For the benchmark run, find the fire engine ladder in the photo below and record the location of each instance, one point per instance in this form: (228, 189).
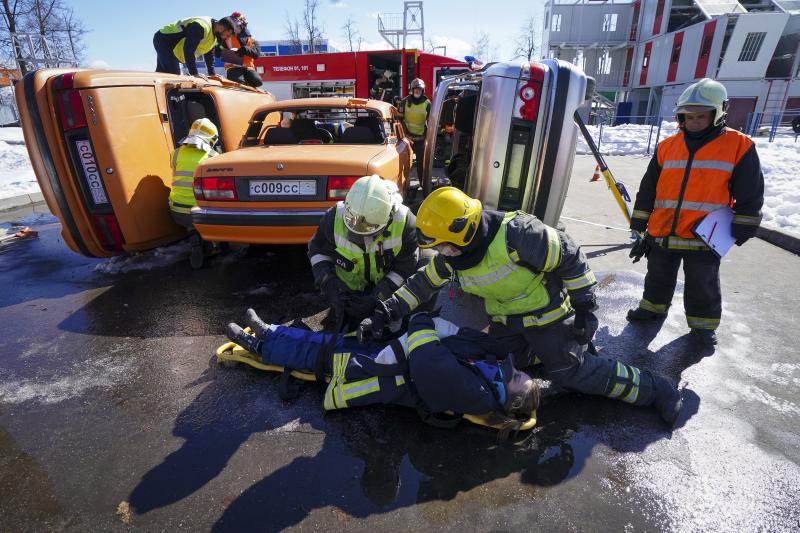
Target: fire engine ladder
(617, 188)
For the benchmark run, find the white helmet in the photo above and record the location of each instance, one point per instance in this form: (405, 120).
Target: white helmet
(368, 205)
(202, 134)
(417, 83)
(706, 94)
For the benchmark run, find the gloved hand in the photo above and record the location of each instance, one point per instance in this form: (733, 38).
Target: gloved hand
(359, 305)
(374, 326)
(641, 248)
(334, 290)
(383, 289)
(584, 326)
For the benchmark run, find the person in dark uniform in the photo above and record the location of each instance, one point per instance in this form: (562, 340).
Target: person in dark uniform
(186, 40)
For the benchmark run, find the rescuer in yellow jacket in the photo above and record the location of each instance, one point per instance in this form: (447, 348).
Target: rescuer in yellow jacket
(704, 167)
(185, 40)
(414, 110)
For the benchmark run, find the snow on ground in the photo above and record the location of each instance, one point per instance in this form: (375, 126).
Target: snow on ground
(16, 174)
(780, 161)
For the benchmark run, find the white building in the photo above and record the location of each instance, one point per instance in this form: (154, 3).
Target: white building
(644, 53)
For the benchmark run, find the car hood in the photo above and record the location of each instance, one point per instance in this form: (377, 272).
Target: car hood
(292, 160)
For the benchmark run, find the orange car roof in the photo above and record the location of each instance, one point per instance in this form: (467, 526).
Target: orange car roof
(384, 108)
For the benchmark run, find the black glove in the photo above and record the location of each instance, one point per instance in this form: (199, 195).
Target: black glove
(217, 52)
(641, 248)
(334, 290)
(359, 305)
(375, 326)
(384, 289)
(585, 326)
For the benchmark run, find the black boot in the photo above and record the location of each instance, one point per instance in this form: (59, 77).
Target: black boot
(259, 327)
(667, 400)
(640, 315)
(705, 337)
(245, 340)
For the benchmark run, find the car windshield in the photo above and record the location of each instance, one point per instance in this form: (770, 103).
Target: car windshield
(326, 126)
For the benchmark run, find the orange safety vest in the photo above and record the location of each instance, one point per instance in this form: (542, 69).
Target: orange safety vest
(248, 62)
(690, 188)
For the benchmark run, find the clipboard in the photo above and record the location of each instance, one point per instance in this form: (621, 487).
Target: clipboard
(715, 230)
(229, 56)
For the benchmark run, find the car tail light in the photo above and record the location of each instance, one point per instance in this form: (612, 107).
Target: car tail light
(109, 232)
(529, 92)
(70, 105)
(339, 185)
(215, 188)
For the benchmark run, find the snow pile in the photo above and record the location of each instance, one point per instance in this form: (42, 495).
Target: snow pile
(780, 161)
(160, 257)
(16, 173)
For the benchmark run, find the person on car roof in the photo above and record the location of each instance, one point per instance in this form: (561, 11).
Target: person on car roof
(194, 148)
(363, 249)
(414, 110)
(704, 167)
(245, 47)
(538, 291)
(187, 39)
(435, 367)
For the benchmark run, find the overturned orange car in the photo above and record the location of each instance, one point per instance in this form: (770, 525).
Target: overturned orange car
(101, 145)
(297, 159)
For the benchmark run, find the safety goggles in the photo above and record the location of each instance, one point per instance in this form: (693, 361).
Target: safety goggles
(358, 224)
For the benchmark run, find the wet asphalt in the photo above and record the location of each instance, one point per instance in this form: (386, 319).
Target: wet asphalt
(114, 414)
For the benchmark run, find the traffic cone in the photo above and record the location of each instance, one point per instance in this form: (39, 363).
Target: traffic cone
(596, 176)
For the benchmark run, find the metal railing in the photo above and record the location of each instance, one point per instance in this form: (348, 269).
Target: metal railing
(774, 125)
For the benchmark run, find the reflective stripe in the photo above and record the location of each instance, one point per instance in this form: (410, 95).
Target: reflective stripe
(675, 243)
(182, 183)
(183, 173)
(725, 166)
(408, 297)
(333, 394)
(420, 337)
(546, 318)
(640, 214)
(175, 158)
(178, 208)
(396, 278)
(514, 256)
(693, 206)
(394, 242)
(433, 276)
(697, 322)
(399, 380)
(553, 250)
(747, 220)
(488, 279)
(647, 305)
(342, 242)
(573, 284)
(320, 258)
(634, 393)
(361, 388)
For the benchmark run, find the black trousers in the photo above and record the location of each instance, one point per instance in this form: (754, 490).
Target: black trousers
(567, 364)
(245, 76)
(702, 296)
(165, 57)
(419, 153)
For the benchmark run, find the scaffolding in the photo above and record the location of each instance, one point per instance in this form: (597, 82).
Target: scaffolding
(395, 28)
(34, 51)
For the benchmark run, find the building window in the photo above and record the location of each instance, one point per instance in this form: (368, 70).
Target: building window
(676, 54)
(556, 22)
(610, 22)
(605, 63)
(752, 45)
(546, 20)
(646, 61)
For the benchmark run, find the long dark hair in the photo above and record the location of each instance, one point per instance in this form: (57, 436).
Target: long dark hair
(520, 408)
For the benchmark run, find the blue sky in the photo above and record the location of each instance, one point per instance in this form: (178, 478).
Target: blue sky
(122, 32)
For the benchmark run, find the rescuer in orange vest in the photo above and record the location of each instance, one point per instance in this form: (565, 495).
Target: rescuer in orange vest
(245, 46)
(702, 168)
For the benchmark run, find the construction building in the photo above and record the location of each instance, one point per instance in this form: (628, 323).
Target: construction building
(644, 53)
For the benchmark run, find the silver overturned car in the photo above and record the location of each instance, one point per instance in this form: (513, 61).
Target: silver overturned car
(509, 133)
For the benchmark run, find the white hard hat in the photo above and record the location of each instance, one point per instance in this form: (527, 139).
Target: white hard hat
(417, 83)
(704, 94)
(368, 205)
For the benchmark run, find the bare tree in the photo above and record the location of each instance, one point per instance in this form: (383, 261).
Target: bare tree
(293, 34)
(529, 35)
(314, 32)
(73, 31)
(352, 35)
(14, 12)
(483, 48)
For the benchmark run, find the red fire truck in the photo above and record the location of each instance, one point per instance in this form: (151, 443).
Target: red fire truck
(352, 73)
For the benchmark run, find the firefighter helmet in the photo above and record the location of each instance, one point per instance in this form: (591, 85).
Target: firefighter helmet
(448, 215)
(704, 94)
(417, 83)
(203, 131)
(368, 205)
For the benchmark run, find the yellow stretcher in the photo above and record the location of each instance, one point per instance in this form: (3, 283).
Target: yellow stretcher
(230, 354)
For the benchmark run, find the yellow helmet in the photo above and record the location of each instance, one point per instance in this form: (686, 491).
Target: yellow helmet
(448, 215)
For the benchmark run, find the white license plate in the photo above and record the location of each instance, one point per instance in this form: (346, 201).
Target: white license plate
(283, 188)
(91, 172)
